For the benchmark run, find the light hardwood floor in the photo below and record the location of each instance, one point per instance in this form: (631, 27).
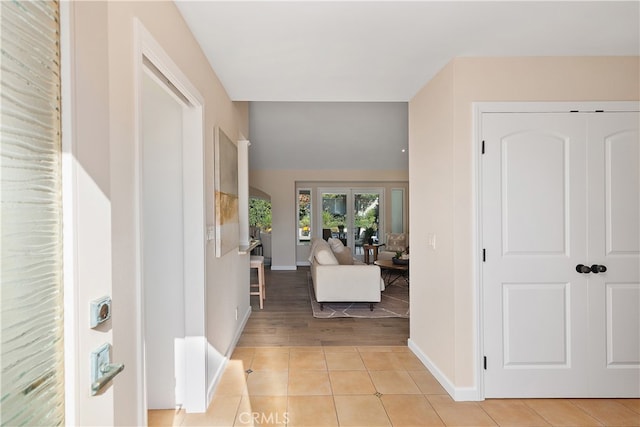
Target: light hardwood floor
(286, 319)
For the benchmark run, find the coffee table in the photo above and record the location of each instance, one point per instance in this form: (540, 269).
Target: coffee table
(388, 267)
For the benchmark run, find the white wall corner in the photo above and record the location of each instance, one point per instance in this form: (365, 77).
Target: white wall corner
(459, 394)
(195, 362)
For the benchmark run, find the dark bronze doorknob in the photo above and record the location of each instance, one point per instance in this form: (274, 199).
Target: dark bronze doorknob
(595, 268)
(581, 268)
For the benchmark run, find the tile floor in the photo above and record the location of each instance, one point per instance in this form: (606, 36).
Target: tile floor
(370, 386)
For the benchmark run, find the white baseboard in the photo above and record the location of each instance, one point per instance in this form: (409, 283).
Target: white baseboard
(459, 394)
(303, 263)
(216, 378)
(284, 267)
(238, 333)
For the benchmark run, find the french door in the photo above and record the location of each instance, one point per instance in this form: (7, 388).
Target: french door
(346, 213)
(561, 239)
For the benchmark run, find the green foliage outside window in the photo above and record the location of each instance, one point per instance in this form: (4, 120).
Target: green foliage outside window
(332, 221)
(304, 208)
(367, 210)
(260, 214)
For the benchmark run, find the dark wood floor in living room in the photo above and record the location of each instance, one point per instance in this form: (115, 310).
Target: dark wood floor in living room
(287, 319)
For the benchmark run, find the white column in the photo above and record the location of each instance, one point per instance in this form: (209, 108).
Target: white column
(243, 191)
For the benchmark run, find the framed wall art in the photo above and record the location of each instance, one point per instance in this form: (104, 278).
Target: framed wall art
(226, 193)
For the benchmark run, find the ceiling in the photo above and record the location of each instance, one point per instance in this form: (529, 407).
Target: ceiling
(329, 80)
(381, 51)
(328, 135)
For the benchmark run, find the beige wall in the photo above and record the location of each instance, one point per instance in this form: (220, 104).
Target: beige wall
(431, 194)
(104, 83)
(281, 186)
(443, 323)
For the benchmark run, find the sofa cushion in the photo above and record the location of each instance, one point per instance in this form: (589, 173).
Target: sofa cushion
(396, 242)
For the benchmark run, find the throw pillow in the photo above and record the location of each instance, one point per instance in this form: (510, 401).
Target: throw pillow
(325, 256)
(340, 251)
(344, 256)
(396, 242)
(312, 248)
(336, 244)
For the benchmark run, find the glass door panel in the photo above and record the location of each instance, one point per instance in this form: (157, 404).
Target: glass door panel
(397, 210)
(31, 317)
(335, 216)
(366, 219)
(352, 215)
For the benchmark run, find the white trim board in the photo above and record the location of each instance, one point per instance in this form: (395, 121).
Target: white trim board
(238, 333)
(459, 394)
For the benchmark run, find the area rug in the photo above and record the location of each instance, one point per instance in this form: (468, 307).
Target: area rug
(394, 302)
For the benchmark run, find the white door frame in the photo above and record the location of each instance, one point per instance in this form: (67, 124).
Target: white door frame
(194, 231)
(509, 107)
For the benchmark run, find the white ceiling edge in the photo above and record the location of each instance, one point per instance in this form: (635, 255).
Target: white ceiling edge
(385, 51)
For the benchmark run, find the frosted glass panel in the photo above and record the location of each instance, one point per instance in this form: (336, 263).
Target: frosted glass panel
(397, 210)
(31, 270)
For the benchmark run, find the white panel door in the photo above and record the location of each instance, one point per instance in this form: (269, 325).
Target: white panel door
(561, 191)
(614, 242)
(534, 224)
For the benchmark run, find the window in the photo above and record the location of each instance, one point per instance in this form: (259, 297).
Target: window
(397, 210)
(259, 216)
(304, 216)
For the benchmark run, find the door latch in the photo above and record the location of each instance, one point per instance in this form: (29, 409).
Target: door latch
(102, 371)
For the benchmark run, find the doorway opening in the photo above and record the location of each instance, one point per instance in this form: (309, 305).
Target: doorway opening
(171, 232)
(163, 244)
(260, 225)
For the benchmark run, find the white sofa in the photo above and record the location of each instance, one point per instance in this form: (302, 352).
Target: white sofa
(338, 278)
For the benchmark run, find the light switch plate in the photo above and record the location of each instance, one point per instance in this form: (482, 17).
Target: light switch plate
(431, 239)
(100, 311)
